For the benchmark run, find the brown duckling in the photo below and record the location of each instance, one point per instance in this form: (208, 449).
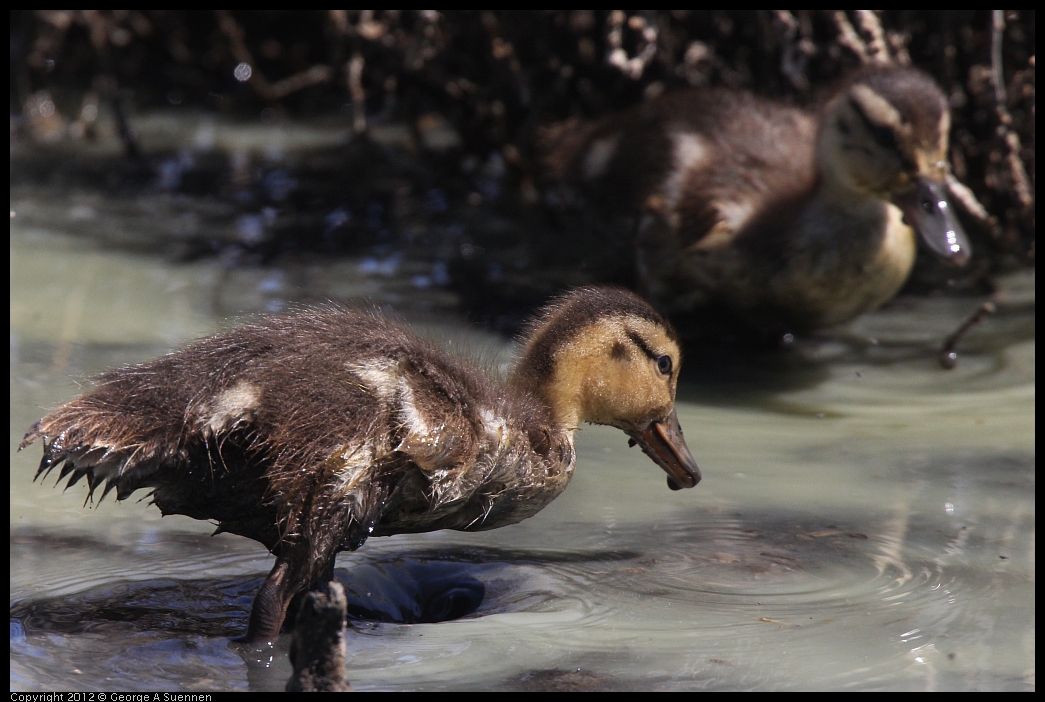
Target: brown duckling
(312, 432)
(776, 217)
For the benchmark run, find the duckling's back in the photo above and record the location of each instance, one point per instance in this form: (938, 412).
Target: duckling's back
(325, 424)
(708, 157)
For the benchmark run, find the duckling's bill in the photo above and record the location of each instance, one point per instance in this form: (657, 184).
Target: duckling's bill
(663, 442)
(927, 210)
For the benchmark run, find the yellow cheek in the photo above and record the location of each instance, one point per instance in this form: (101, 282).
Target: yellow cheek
(632, 394)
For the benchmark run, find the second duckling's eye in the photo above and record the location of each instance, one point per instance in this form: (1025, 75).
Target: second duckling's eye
(884, 137)
(664, 364)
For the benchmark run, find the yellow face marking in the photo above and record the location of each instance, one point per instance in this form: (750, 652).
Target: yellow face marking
(603, 377)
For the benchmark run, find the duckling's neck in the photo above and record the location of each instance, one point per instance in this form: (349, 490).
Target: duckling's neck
(836, 194)
(836, 187)
(559, 401)
(873, 227)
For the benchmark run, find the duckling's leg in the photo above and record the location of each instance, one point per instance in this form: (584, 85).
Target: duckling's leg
(289, 578)
(305, 562)
(270, 605)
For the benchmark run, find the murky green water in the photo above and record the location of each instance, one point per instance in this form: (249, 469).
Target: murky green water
(866, 519)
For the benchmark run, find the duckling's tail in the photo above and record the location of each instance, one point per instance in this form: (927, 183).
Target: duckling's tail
(82, 452)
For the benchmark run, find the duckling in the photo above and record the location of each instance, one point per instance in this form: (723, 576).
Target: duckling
(782, 219)
(312, 432)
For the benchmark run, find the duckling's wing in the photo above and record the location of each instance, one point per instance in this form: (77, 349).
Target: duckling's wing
(735, 156)
(398, 433)
(703, 162)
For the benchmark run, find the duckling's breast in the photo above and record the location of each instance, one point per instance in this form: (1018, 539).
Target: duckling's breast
(522, 479)
(812, 264)
(844, 259)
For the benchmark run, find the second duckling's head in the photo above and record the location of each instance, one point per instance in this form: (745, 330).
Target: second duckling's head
(886, 135)
(605, 356)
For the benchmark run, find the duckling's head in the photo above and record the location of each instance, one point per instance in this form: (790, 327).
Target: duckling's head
(886, 135)
(604, 356)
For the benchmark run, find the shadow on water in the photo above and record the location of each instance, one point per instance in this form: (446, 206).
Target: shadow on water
(411, 592)
(407, 588)
(712, 372)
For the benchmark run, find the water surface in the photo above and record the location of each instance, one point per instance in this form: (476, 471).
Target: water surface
(866, 518)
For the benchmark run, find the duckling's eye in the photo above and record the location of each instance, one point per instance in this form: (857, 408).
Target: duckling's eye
(664, 364)
(884, 137)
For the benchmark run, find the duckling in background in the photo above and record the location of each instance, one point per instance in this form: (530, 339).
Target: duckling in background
(774, 217)
(312, 432)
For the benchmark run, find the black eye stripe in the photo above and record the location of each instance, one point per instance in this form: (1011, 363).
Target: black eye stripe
(664, 362)
(882, 134)
(641, 343)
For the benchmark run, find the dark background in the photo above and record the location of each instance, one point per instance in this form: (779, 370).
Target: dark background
(490, 80)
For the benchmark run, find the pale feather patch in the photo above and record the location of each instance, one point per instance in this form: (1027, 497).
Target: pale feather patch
(379, 376)
(733, 216)
(383, 378)
(599, 155)
(235, 405)
(688, 152)
(493, 424)
(718, 236)
(356, 460)
(412, 419)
